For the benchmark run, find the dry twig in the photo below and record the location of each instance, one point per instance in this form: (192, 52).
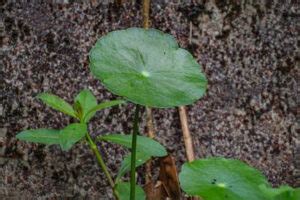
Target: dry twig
(186, 134)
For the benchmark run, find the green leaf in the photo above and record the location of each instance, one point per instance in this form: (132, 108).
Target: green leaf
(65, 137)
(144, 144)
(86, 101)
(148, 68)
(123, 189)
(57, 103)
(222, 179)
(102, 106)
(43, 136)
(141, 158)
(72, 134)
(282, 193)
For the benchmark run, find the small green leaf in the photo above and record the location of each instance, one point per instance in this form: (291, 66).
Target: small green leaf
(123, 190)
(141, 158)
(57, 103)
(282, 193)
(65, 137)
(222, 179)
(144, 144)
(101, 106)
(43, 136)
(147, 67)
(86, 101)
(78, 109)
(72, 134)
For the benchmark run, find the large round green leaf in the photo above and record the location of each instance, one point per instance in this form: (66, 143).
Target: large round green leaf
(147, 67)
(222, 179)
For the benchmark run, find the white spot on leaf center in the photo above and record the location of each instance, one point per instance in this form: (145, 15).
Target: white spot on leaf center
(145, 74)
(223, 185)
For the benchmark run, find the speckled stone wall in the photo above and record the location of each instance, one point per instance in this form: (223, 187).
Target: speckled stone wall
(249, 52)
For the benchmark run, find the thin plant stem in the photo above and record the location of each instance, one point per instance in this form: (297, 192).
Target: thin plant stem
(133, 152)
(101, 163)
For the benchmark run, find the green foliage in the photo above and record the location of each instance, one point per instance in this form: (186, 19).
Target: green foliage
(99, 107)
(72, 134)
(65, 137)
(44, 136)
(281, 193)
(221, 179)
(57, 103)
(85, 107)
(85, 101)
(147, 67)
(145, 145)
(123, 190)
(146, 148)
(141, 158)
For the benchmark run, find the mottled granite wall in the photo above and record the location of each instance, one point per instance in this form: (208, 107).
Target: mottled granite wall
(249, 51)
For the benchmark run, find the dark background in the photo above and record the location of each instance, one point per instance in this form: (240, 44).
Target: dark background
(249, 52)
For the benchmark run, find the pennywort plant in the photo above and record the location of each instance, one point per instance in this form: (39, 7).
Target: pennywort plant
(147, 68)
(229, 179)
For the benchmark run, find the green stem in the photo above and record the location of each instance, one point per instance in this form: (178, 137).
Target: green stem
(101, 163)
(133, 152)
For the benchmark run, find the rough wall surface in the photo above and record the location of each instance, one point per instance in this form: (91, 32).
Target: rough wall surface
(249, 52)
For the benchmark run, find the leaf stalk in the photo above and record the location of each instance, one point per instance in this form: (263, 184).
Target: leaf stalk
(101, 163)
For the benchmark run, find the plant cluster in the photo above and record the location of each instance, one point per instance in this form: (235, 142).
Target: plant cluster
(148, 68)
